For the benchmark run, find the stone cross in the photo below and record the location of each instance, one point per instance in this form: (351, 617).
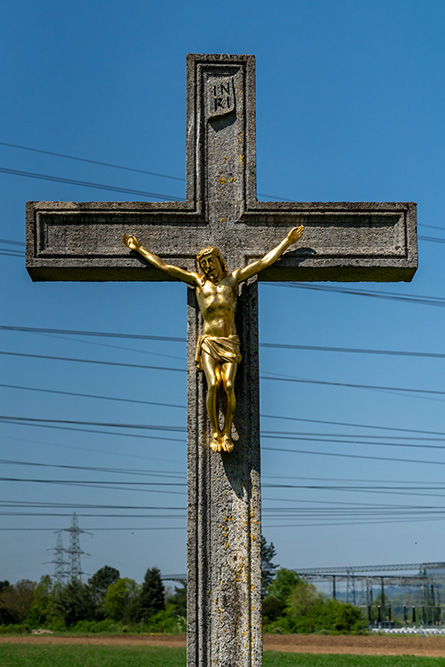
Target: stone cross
(342, 242)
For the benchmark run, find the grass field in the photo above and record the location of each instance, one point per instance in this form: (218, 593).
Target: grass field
(108, 656)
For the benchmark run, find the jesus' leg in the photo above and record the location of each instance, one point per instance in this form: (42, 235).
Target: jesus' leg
(228, 379)
(213, 377)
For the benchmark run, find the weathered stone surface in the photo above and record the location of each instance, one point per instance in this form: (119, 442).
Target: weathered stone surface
(355, 241)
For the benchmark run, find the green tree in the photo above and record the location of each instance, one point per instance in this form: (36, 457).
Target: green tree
(177, 601)
(103, 578)
(5, 617)
(340, 617)
(74, 603)
(273, 609)
(283, 584)
(277, 595)
(3, 585)
(121, 600)
(15, 601)
(294, 605)
(303, 598)
(99, 583)
(268, 553)
(152, 598)
(43, 609)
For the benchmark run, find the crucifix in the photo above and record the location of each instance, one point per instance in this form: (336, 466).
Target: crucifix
(342, 241)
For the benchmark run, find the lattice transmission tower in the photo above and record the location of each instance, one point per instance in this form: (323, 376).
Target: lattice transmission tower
(60, 569)
(74, 551)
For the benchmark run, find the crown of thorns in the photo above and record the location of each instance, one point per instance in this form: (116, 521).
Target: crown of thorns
(211, 250)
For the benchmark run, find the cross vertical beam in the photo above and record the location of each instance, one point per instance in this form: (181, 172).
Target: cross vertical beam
(224, 506)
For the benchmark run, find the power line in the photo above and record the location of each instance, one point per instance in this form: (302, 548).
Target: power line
(150, 427)
(93, 361)
(181, 475)
(266, 416)
(325, 506)
(95, 396)
(350, 385)
(406, 513)
(352, 439)
(91, 506)
(121, 348)
(431, 239)
(353, 456)
(431, 226)
(102, 164)
(42, 423)
(336, 438)
(411, 490)
(95, 482)
(8, 241)
(265, 525)
(391, 296)
(114, 166)
(161, 175)
(183, 407)
(96, 431)
(88, 184)
(183, 339)
(136, 483)
(353, 424)
(133, 529)
(11, 253)
(129, 529)
(134, 486)
(101, 334)
(114, 471)
(353, 350)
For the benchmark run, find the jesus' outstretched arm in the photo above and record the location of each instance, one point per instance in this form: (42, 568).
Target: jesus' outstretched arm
(255, 267)
(174, 271)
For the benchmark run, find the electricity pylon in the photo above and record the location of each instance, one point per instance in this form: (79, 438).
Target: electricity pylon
(74, 551)
(60, 570)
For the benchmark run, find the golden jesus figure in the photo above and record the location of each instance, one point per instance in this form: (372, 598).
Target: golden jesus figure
(218, 349)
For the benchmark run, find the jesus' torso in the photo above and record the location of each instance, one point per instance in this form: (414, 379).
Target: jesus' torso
(217, 303)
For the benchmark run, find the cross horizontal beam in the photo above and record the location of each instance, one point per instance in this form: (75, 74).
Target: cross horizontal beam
(342, 241)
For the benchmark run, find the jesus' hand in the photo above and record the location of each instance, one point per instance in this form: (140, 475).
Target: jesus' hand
(131, 242)
(295, 234)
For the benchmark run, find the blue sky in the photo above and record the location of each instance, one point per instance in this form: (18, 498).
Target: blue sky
(350, 102)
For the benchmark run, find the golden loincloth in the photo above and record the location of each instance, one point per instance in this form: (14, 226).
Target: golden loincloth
(224, 349)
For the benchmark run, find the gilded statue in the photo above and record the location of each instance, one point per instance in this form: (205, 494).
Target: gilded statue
(218, 349)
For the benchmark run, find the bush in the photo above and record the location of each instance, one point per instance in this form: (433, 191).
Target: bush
(282, 626)
(73, 603)
(14, 629)
(341, 617)
(96, 627)
(164, 621)
(273, 608)
(292, 605)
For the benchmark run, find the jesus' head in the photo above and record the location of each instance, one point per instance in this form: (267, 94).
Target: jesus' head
(212, 264)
